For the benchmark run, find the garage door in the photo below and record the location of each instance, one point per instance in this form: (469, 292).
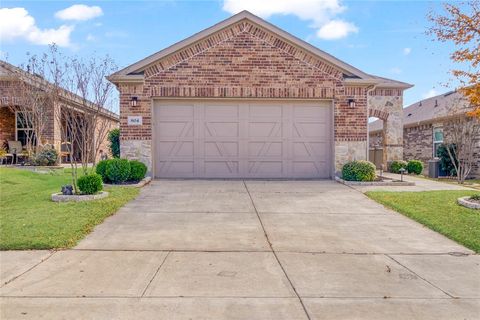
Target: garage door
(213, 139)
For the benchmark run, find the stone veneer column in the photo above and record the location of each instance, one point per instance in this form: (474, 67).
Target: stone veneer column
(390, 110)
(140, 150)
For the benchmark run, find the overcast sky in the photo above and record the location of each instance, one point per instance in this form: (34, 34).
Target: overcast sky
(385, 38)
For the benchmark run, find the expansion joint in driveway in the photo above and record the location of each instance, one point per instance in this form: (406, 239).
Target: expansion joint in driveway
(156, 272)
(274, 253)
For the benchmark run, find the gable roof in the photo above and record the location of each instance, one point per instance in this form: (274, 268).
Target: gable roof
(9, 72)
(429, 110)
(353, 75)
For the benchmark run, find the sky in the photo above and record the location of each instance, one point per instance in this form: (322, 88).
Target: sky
(384, 38)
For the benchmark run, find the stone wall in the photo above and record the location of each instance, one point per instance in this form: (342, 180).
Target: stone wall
(140, 150)
(346, 151)
(387, 104)
(418, 143)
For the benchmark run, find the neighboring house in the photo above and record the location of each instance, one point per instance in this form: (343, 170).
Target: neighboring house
(12, 127)
(245, 99)
(426, 123)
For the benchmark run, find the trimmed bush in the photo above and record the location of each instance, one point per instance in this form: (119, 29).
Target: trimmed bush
(415, 166)
(101, 169)
(396, 165)
(46, 157)
(90, 183)
(114, 138)
(137, 170)
(359, 171)
(118, 170)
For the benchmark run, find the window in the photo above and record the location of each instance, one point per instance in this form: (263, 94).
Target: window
(24, 129)
(437, 140)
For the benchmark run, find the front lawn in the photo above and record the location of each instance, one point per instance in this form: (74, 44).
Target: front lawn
(30, 220)
(437, 210)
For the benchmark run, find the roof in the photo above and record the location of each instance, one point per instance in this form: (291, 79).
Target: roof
(429, 110)
(10, 72)
(353, 75)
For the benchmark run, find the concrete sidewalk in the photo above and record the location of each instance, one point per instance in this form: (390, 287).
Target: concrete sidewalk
(247, 250)
(421, 184)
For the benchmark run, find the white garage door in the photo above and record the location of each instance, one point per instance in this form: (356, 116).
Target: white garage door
(215, 139)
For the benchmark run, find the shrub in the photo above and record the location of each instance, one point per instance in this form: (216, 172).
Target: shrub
(114, 138)
(475, 196)
(415, 166)
(46, 157)
(137, 170)
(118, 170)
(396, 165)
(90, 183)
(101, 169)
(359, 171)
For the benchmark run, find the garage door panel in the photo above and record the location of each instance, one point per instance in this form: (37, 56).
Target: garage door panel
(265, 149)
(309, 129)
(175, 148)
(309, 149)
(175, 111)
(310, 112)
(215, 139)
(304, 169)
(223, 129)
(175, 129)
(221, 111)
(265, 129)
(175, 168)
(226, 149)
(265, 169)
(265, 111)
(229, 169)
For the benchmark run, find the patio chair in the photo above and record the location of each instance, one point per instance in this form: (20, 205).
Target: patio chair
(65, 151)
(14, 149)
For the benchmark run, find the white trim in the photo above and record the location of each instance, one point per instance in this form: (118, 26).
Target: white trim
(16, 127)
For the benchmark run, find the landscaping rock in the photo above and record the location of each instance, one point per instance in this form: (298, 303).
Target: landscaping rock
(375, 183)
(139, 184)
(466, 202)
(59, 197)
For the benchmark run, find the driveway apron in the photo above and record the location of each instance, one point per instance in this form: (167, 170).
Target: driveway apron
(223, 249)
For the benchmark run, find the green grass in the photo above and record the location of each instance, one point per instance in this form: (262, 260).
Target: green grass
(437, 210)
(30, 220)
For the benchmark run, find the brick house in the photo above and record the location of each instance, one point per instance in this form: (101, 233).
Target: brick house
(244, 98)
(12, 127)
(425, 124)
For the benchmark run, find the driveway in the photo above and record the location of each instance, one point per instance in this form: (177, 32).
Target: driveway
(248, 250)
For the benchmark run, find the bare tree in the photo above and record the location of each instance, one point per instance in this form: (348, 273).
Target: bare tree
(89, 87)
(461, 134)
(36, 100)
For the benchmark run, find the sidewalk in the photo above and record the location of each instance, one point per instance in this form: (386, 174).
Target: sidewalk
(421, 184)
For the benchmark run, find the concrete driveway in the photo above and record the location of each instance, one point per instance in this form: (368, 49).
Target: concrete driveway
(248, 250)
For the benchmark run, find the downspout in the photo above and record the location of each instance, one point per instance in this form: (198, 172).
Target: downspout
(371, 88)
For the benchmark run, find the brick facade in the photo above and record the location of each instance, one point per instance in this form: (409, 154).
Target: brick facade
(7, 125)
(248, 61)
